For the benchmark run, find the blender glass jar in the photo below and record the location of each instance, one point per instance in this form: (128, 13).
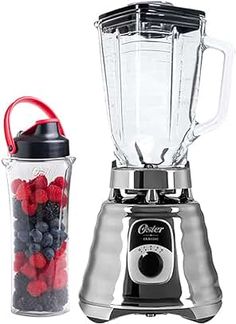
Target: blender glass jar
(38, 173)
(151, 54)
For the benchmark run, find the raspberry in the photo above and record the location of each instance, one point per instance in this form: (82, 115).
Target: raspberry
(40, 182)
(60, 182)
(54, 193)
(61, 263)
(40, 196)
(29, 208)
(64, 200)
(61, 251)
(28, 270)
(15, 184)
(19, 261)
(23, 191)
(37, 287)
(37, 260)
(60, 280)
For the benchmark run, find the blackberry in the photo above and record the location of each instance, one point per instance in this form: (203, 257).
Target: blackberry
(50, 211)
(27, 303)
(50, 303)
(17, 209)
(62, 296)
(20, 282)
(54, 223)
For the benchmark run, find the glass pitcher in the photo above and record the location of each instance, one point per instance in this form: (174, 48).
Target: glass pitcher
(38, 172)
(152, 55)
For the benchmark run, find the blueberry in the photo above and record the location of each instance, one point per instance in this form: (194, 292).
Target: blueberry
(49, 253)
(63, 236)
(36, 235)
(19, 245)
(34, 247)
(62, 227)
(42, 227)
(21, 225)
(47, 240)
(23, 236)
(56, 244)
(55, 232)
(54, 223)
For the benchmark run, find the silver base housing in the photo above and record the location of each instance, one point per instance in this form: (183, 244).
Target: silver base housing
(113, 286)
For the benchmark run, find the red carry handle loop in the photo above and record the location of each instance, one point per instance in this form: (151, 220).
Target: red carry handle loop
(26, 99)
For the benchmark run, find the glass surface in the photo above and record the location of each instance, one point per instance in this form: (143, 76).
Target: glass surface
(151, 74)
(39, 197)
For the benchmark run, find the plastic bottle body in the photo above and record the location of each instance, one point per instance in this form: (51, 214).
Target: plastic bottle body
(39, 197)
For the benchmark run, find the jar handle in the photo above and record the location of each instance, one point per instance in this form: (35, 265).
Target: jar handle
(228, 51)
(26, 99)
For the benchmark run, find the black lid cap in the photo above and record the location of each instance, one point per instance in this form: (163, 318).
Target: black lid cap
(151, 11)
(43, 140)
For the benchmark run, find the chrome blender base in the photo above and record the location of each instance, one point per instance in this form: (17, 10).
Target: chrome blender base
(101, 314)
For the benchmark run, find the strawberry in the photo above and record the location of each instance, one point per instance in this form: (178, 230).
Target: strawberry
(40, 196)
(40, 182)
(54, 193)
(37, 287)
(29, 208)
(60, 280)
(60, 182)
(15, 184)
(19, 261)
(23, 191)
(37, 260)
(28, 270)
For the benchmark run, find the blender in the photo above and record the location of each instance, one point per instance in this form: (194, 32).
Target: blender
(150, 254)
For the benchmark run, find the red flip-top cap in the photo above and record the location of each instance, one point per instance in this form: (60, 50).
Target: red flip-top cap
(45, 139)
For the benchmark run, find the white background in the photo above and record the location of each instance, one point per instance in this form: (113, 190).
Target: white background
(49, 49)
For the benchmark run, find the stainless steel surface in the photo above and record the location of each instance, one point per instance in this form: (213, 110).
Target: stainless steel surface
(103, 292)
(153, 178)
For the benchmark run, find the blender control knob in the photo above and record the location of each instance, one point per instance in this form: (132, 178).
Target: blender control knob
(150, 264)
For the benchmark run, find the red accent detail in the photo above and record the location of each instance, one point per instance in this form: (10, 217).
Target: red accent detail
(48, 111)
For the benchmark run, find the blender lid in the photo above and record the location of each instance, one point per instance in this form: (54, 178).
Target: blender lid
(43, 140)
(163, 12)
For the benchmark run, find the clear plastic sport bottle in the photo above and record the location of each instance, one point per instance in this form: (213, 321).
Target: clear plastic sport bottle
(38, 172)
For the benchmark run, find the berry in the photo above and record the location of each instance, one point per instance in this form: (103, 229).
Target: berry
(23, 191)
(23, 236)
(29, 208)
(61, 263)
(19, 261)
(51, 210)
(22, 224)
(19, 245)
(25, 302)
(34, 248)
(54, 193)
(60, 182)
(62, 250)
(49, 253)
(40, 182)
(36, 235)
(47, 240)
(64, 200)
(55, 233)
(17, 210)
(20, 282)
(42, 227)
(62, 296)
(40, 196)
(28, 271)
(37, 260)
(15, 184)
(54, 223)
(60, 280)
(50, 302)
(36, 288)
(63, 235)
(49, 271)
